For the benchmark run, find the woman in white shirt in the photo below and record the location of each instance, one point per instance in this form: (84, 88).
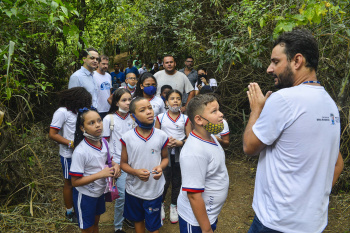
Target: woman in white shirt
(204, 81)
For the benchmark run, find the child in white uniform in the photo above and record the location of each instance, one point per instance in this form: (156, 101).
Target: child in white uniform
(144, 157)
(147, 87)
(176, 125)
(115, 124)
(88, 170)
(62, 130)
(205, 179)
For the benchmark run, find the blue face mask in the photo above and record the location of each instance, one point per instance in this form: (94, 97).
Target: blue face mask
(131, 87)
(151, 90)
(163, 98)
(142, 125)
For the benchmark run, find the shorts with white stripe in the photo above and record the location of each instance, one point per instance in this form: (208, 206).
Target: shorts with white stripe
(185, 227)
(66, 162)
(86, 208)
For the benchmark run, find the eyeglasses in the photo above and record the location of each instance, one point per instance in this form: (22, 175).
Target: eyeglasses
(189, 61)
(132, 78)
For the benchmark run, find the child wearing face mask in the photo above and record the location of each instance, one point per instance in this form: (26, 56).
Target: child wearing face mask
(147, 87)
(130, 82)
(115, 124)
(88, 171)
(176, 125)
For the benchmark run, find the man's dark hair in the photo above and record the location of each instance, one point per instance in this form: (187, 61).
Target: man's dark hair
(168, 55)
(189, 56)
(103, 57)
(197, 104)
(116, 64)
(300, 41)
(85, 52)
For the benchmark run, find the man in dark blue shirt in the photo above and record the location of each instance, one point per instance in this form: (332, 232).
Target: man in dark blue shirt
(117, 77)
(131, 69)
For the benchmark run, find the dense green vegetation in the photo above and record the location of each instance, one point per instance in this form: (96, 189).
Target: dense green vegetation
(40, 42)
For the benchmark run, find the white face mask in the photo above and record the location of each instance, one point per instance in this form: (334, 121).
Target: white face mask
(174, 109)
(122, 110)
(91, 137)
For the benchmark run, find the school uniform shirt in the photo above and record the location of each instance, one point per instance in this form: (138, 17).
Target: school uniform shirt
(203, 170)
(144, 152)
(225, 131)
(157, 105)
(87, 160)
(104, 86)
(173, 127)
(121, 125)
(65, 121)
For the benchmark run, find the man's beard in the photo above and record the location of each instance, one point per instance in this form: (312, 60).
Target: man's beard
(285, 79)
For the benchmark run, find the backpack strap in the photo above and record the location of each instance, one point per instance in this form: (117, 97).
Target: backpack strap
(111, 122)
(109, 160)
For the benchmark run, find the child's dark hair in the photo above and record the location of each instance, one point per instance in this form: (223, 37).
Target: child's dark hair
(116, 97)
(171, 92)
(144, 76)
(78, 135)
(132, 106)
(197, 104)
(165, 87)
(74, 98)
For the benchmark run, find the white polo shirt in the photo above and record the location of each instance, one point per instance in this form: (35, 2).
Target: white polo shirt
(65, 121)
(144, 153)
(203, 170)
(157, 105)
(121, 126)
(301, 127)
(173, 127)
(87, 160)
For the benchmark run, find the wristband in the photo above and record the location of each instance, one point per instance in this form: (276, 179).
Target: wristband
(71, 144)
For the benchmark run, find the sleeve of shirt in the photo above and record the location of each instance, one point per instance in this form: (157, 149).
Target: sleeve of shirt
(58, 119)
(122, 77)
(195, 86)
(73, 81)
(106, 130)
(226, 129)
(78, 162)
(274, 118)
(193, 172)
(186, 120)
(188, 85)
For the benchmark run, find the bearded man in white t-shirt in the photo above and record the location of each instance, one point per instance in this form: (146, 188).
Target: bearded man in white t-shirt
(104, 84)
(296, 130)
(177, 80)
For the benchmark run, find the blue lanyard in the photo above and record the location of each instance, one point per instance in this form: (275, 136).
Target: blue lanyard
(311, 82)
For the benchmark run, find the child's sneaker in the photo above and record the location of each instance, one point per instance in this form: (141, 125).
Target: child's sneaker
(174, 217)
(72, 217)
(162, 212)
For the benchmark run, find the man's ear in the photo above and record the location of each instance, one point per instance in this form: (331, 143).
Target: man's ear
(198, 120)
(299, 61)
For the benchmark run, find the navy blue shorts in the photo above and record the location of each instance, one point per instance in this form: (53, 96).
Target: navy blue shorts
(66, 162)
(137, 210)
(86, 208)
(185, 227)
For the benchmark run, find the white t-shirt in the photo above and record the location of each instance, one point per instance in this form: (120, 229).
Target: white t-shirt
(141, 71)
(203, 170)
(157, 105)
(178, 81)
(87, 160)
(104, 84)
(173, 127)
(65, 121)
(121, 126)
(212, 83)
(144, 153)
(301, 128)
(225, 131)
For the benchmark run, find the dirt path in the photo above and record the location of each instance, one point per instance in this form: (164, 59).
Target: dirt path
(237, 213)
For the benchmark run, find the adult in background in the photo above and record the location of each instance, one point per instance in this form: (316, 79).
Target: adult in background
(175, 79)
(296, 130)
(131, 69)
(204, 81)
(155, 68)
(143, 69)
(117, 77)
(103, 81)
(84, 76)
(190, 73)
